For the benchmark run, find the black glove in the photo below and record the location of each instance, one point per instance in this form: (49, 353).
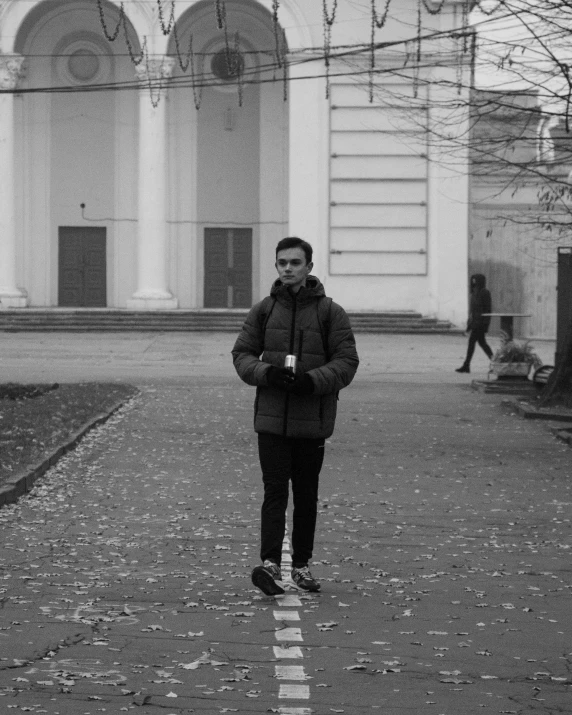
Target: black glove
(301, 385)
(279, 377)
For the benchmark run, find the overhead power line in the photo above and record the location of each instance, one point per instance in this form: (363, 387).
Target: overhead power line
(407, 54)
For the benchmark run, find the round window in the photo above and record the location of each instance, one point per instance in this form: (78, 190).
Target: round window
(227, 65)
(83, 65)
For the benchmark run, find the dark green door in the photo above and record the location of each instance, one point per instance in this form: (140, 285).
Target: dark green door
(228, 268)
(82, 281)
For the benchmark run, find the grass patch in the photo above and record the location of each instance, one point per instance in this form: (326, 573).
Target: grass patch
(36, 419)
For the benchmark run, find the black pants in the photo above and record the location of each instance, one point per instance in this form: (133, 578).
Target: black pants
(477, 335)
(282, 460)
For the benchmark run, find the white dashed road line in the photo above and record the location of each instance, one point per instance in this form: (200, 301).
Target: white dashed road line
(290, 672)
(289, 634)
(286, 616)
(294, 690)
(287, 652)
(288, 600)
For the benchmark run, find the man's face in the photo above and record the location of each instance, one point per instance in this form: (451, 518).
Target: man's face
(292, 267)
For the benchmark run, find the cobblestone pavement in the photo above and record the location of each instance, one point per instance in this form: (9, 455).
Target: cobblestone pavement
(443, 547)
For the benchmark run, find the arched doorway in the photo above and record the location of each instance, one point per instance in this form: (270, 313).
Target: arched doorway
(78, 147)
(229, 156)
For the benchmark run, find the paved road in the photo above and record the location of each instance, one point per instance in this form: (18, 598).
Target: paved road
(443, 547)
(175, 357)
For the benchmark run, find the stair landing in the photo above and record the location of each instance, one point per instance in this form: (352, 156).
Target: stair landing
(210, 320)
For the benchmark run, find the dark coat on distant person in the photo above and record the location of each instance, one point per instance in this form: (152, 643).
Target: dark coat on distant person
(295, 324)
(480, 302)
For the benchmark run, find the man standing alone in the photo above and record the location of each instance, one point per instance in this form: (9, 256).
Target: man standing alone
(295, 406)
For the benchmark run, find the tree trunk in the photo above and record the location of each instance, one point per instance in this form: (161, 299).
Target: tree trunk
(559, 386)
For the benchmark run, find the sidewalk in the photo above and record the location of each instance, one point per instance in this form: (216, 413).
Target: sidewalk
(443, 546)
(175, 357)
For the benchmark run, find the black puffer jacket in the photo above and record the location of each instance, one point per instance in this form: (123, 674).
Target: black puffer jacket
(295, 325)
(480, 302)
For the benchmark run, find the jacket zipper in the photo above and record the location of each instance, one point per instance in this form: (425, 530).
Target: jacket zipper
(291, 352)
(293, 325)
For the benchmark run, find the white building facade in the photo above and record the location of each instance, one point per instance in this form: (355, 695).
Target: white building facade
(136, 174)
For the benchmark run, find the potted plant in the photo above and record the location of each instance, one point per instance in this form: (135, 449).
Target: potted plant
(514, 358)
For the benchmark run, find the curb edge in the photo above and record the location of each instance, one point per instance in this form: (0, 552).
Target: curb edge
(22, 482)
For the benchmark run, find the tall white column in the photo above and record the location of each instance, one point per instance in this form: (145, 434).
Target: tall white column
(10, 295)
(448, 196)
(152, 248)
(308, 160)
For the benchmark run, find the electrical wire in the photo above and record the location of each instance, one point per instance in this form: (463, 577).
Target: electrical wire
(313, 55)
(509, 15)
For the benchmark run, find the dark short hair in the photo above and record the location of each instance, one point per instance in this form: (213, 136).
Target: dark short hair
(295, 242)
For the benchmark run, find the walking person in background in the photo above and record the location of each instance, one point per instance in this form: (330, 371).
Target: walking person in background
(297, 348)
(478, 323)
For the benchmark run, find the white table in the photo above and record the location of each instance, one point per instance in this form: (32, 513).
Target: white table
(507, 321)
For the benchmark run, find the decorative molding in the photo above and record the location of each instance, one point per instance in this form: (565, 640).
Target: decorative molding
(3, 6)
(435, 4)
(155, 69)
(11, 70)
(90, 43)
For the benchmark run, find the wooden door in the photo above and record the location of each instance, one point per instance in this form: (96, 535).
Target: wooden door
(82, 281)
(228, 268)
(241, 270)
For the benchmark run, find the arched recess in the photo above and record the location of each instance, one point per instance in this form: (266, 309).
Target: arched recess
(294, 22)
(228, 158)
(78, 146)
(17, 14)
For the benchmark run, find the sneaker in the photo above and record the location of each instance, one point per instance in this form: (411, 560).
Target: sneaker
(463, 368)
(264, 577)
(304, 579)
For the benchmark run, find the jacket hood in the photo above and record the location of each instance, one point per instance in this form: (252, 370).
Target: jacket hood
(311, 291)
(479, 281)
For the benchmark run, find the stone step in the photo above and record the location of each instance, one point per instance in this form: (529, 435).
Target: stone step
(93, 320)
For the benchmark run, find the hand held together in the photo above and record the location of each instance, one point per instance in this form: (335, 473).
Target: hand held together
(283, 378)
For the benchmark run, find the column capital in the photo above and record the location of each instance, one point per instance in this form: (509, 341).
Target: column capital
(155, 68)
(11, 70)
